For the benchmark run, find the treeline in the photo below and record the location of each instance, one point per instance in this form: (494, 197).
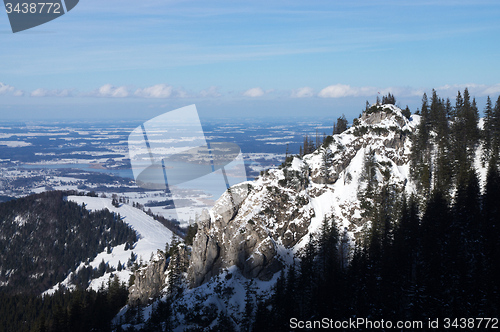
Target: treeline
(64, 311)
(44, 237)
(442, 261)
(309, 145)
(429, 256)
(443, 264)
(171, 223)
(447, 140)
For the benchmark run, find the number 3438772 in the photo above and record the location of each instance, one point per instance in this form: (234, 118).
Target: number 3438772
(34, 8)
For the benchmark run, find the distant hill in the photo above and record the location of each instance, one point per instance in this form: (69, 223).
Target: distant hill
(44, 237)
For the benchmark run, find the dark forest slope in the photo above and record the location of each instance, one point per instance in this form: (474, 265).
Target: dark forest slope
(43, 237)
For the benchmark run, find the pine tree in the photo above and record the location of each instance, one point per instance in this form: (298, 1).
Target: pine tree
(328, 268)
(370, 173)
(465, 135)
(459, 102)
(488, 131)
(420, 157)
(438, 117)
(406, 112)
(389, 99)
(225, 323)
(341, 125)
(490, 231)
(175, 270)
(307, 279)
(140, 316)
(473, 130)
(462, 250)
(495, 127)
(263, 320)
(345, 247)
(433, 261)
(326, 159)
(405, 253)
(449, 109)
(290, 308)
(442, 174)
(249, 305)
(278, 303)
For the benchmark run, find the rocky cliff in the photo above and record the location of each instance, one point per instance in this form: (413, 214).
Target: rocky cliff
(153, 280)
(276, 211)
(149, 281)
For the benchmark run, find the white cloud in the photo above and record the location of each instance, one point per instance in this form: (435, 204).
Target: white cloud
(4, 89)
(180, 93)
(211, 92)
(342, 90)
(51, 93)
(155, 91)
(474, 89)
(302, 92)
(492, 90)
(110, 91)
(402, 92)
(254, 92)
(454, 88)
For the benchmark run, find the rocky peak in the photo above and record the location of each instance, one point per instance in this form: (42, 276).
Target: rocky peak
(277, 210)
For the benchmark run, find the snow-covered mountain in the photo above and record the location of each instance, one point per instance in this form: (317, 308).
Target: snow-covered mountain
(152, 236)
(283, 206)
(259, 229)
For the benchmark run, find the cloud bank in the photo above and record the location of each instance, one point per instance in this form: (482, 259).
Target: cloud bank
(302, 92)
(167, 91)
(474, 89)
(342, 90)
(110, 91)
(211, 92)
(9, 89)
(51, 93)
(254, 92)
(155, 91)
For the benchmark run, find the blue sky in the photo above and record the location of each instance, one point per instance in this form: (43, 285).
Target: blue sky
(138, 59)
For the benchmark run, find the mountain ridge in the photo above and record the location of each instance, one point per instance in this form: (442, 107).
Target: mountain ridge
(284, 205)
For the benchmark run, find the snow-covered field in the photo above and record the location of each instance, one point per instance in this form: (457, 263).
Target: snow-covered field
(152, 236)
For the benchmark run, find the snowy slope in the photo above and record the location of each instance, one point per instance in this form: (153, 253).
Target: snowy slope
(286, 205)
(152, 236)
(289, 203)
(382, 133)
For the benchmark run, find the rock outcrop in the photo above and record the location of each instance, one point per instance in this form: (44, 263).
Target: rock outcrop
(250, 234)
(273, 214)
(153, 280)
(149, 281)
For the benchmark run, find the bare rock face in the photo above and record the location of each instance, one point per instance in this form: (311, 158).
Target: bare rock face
(259, 227)
(374, 118)
(149, 281)
(244, 236)
(381, 114)
(152, 280)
